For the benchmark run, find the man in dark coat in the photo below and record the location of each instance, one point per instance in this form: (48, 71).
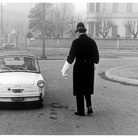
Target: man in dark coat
(85, 53)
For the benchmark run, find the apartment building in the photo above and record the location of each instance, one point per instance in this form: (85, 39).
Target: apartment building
(117, 14)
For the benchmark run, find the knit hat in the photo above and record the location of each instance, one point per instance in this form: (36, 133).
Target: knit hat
(80, 28)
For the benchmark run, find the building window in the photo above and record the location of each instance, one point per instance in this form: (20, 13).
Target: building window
(129, 7)
(128, 34)
(115, 7)
(91, 7)
(103, 6)
(91, 28)
(97, 7)
(97, 32)
(114, 31)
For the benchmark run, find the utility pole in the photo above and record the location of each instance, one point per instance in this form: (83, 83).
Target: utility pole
(43, 32)
(1, 27)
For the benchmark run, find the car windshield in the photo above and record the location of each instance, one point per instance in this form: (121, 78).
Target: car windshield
(18, 64)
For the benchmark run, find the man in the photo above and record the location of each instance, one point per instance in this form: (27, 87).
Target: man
(2, 63)
(28, 64)
(85, 53)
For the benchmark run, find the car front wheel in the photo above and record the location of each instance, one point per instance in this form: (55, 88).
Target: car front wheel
(40, 104)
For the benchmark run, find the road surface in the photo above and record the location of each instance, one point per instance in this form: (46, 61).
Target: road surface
(115, 106)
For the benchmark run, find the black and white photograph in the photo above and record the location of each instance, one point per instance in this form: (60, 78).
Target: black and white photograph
(68, 68)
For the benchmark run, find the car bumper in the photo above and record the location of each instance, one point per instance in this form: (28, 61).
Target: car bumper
(21, 102)
(21, 105)
(19, 99)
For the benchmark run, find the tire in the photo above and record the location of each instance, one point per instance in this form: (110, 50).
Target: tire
(40, 104)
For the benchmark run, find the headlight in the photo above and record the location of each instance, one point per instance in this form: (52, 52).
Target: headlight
(40, 83)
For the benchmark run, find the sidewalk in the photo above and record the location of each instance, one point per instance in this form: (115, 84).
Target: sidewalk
(125, 74)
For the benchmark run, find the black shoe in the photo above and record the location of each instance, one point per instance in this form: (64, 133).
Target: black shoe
(80, 114)
(90, 111)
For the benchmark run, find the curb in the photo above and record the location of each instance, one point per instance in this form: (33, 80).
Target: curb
(110, 75)
(52, 58)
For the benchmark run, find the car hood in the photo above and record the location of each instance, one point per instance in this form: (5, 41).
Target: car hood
(16, 78)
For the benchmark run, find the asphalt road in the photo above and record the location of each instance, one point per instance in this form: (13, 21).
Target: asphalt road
(115, 106)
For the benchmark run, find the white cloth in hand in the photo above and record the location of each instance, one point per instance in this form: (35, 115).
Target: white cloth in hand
(65, 69)
(95, 67)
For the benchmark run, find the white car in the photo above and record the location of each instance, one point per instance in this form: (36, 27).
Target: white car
(20, 79)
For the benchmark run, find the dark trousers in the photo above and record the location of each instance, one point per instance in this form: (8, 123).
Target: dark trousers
(80, 102)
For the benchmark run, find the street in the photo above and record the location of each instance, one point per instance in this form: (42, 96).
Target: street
(115, 106)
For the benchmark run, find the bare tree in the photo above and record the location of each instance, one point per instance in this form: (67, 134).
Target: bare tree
(132, 27)
(62, 14)
(6, 32)
(57, 19)
(27, 35)
(104, 27)
(18, 27)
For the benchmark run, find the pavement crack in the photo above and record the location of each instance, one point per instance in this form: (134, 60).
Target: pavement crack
(54, 118)
(56, 105)
(53, 113)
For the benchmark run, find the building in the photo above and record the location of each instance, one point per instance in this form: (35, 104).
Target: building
(113, 17)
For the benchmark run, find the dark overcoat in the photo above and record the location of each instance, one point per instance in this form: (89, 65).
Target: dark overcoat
(85, 53)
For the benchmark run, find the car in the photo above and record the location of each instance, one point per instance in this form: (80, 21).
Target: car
(20, 79)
